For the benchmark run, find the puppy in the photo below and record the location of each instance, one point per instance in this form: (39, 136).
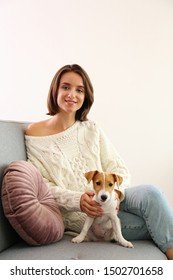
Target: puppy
(108, 225)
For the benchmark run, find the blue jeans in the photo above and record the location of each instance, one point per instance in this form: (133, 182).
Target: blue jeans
(145, 213)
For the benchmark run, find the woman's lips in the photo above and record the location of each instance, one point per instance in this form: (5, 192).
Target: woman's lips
(71, 101)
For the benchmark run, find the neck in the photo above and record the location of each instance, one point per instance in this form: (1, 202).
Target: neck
(63, 122)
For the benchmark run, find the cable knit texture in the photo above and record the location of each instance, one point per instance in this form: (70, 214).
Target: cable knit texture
(64, 158)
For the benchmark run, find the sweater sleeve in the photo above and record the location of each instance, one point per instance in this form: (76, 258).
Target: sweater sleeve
(112, 162)
(66, 199)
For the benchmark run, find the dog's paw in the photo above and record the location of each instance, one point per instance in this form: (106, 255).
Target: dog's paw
(77, 239)
(127, 244)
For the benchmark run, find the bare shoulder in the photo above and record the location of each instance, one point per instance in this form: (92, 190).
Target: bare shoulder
(37, 128)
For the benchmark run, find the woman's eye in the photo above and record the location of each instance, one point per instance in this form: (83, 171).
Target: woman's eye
(65, 87)
(79, 90)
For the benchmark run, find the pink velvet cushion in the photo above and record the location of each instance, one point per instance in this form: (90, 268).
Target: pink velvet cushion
(29, 205)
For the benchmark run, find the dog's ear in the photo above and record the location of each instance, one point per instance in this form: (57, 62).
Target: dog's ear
(90, 175)
(118, 179)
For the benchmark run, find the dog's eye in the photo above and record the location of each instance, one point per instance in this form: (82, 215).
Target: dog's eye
(98, 183)
(110, 184)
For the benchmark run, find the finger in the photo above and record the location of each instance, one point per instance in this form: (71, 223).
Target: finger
(92, 208)
(93, 211)
(91, 204)
(90, 193)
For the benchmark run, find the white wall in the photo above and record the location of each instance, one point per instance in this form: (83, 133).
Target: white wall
(127, 49)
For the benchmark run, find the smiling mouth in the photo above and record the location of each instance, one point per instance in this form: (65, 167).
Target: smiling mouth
(70, 101)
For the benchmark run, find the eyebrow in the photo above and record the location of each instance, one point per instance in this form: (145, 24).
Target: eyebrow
(68, 84)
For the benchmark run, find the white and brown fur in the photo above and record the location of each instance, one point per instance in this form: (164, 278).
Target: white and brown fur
(108, 223)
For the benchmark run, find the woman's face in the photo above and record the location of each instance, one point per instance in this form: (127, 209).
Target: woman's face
(71, 93)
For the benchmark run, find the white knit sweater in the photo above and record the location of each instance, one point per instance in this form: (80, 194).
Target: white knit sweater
(64, 158)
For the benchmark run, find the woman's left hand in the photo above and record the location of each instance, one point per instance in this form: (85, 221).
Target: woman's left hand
(118, 201)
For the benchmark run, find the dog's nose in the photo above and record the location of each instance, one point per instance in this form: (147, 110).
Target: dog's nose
(103, 197)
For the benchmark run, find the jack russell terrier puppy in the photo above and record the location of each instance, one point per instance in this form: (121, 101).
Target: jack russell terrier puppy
(107, 227)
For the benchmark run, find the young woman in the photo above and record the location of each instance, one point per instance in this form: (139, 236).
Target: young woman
(67, 145)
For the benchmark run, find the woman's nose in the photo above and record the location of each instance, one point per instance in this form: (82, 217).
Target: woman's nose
(71, 93)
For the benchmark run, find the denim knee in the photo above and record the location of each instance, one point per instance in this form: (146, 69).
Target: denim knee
(138, 198)
(150, 196)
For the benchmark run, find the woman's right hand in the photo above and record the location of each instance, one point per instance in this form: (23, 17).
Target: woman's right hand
(90, 206)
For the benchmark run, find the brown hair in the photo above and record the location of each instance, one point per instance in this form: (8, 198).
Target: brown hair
(52, 105)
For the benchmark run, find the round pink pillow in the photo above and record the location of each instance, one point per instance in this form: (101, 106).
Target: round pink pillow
(29, 206)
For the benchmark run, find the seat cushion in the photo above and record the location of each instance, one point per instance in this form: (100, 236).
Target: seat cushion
(29, 206)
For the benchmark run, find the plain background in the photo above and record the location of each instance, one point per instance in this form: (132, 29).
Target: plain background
(127, 49)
